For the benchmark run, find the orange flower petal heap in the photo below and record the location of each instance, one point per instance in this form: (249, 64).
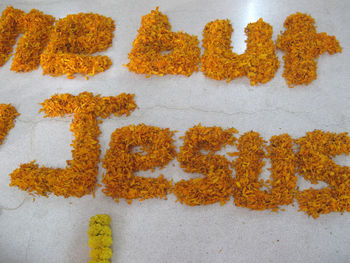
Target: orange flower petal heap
(37, 28)
(259, 62)
(74, 39)
(122, 163)
(80, 175)
(8, 113)
(249, 166)
(217, 183)
(303, 45)
(154, 39)
(283, 170)
(9, 31)
(315, 163)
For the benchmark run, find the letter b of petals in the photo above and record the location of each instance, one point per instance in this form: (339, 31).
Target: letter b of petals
(155, 37)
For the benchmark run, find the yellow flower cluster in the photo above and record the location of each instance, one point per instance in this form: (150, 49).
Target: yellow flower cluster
(100, 239)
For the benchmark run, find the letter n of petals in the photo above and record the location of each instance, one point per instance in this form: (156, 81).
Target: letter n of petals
(9, 31)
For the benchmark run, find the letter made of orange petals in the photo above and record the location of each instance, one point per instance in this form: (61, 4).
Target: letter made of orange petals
(80, 175)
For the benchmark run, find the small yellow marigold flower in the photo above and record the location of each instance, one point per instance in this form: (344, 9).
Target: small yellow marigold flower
(97, 230)
(100, 219)
(100, 239)
(101, 253)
